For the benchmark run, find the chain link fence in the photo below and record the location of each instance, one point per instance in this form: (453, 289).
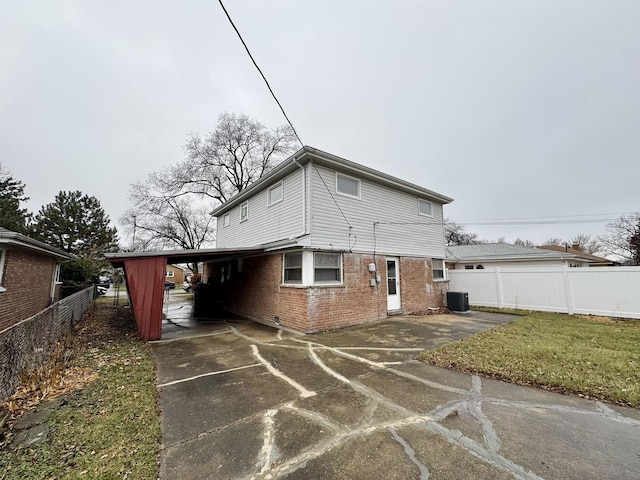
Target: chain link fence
(28, 345)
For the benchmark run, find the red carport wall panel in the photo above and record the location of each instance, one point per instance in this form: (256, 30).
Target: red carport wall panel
(145, 282)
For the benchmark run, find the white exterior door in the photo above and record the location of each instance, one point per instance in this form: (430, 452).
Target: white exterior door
(393, 284)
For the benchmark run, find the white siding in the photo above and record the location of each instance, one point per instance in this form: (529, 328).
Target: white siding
(266, 223)
(376, 204)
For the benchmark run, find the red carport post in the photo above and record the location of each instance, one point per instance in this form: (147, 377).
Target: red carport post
(145, 282)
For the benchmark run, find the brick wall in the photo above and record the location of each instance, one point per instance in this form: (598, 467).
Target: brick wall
(418, 292)
(257, 292)
(178, 275)
(27, 278)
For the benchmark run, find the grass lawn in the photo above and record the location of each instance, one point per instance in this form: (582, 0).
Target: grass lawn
(105, 424)
(586, 356)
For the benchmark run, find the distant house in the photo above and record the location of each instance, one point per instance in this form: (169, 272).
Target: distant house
(328, 243)
(485, 255)
(29, 272)
(594, 260)
(174, 274)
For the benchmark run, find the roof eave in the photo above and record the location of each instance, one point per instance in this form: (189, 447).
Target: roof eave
(8, 237)
(306, 154)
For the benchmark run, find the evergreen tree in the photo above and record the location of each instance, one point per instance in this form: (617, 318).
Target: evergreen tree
(77, 224)
(634, 245)
(12, 217)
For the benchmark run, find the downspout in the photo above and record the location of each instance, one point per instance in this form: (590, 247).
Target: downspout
(304, 196)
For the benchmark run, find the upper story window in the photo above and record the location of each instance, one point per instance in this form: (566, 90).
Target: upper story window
(276, 193)
(425, 208)
(169, 273)
(244, 211)
(327, 267)
(438, 268)
(347, 185)
(293, 267)
(226, 220)
(3, 256)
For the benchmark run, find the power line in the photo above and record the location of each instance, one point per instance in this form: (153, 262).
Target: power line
(261, 74)
(283, 112)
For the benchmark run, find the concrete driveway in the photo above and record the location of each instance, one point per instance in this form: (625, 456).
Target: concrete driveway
(244, 401)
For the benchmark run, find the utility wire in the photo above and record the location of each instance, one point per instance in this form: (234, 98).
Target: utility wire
(261, 74)
(283, 112)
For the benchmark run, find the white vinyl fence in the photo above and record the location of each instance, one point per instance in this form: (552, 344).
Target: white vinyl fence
(606, 291)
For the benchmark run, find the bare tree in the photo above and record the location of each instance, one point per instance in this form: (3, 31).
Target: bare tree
(617, 240)
(455, 234)
(554, 241)
(237, 153)
(524, 243)
(160, 217)
(586, 243)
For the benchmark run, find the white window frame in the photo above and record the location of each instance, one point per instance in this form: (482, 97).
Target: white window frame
(280, 185)
(433, 270)
(357, 180)
(170, 274)
(339, 268)
(3, 256)
(427, 202)
(284, 269)
(226, 220)
(244, 217)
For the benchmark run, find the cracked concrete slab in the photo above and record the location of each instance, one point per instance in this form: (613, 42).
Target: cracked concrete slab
(244, 401)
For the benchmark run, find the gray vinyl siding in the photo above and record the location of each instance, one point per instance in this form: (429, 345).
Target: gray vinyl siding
(266, 223)
(376, 204)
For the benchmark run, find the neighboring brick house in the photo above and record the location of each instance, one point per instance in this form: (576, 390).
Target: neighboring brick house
(29, 272)
(174, 274)
(574, 249)
(341, 244)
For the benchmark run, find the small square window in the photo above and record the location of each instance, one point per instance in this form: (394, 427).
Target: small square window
(293, 267)
(425, 208)
(169, 273)
(244, 211)
(347, 185)
(327, 267)
(276, 193)
(226, 220)
(438, 268)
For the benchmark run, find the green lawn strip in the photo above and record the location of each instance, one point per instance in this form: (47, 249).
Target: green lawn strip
(575, 355)
(109, 428)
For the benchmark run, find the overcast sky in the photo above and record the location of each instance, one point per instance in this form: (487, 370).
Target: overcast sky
(515, 109)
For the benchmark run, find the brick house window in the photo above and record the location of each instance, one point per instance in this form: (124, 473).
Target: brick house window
(438, 268)
(3, 255)
(327, 267)
(244, 211)
(293, 268)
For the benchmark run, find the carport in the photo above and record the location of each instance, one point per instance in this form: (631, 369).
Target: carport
(145, 275)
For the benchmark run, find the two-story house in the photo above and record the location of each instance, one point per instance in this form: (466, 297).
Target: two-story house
(341, 244)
